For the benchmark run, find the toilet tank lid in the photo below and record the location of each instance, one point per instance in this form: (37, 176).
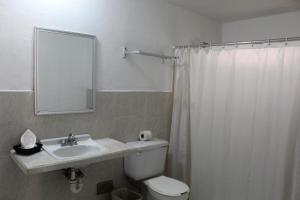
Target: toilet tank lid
(167, 186)
(148, 145)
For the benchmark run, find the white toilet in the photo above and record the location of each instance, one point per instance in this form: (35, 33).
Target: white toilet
(147, 166)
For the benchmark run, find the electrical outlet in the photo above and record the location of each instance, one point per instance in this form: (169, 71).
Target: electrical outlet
(105, 187)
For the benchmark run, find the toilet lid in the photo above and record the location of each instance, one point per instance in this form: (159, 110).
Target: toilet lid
(167, 186)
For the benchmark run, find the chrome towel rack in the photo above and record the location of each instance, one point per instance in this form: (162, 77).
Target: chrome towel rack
(126, 52)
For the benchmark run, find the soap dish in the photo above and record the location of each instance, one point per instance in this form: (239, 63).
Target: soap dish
(27, 152)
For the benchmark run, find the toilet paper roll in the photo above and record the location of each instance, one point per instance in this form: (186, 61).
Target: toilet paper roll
(145, 135)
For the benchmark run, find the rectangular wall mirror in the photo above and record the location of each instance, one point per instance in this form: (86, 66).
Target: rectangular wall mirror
(64, 72)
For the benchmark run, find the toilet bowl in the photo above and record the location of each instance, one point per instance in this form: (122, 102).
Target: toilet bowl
(147, 167)
(165, 188)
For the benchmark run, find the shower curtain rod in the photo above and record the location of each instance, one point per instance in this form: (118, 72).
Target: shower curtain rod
(205, 44)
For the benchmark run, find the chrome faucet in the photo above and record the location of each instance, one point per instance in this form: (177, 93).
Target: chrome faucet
(70, 141)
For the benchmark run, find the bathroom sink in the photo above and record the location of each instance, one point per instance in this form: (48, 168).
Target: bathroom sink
(85, 147)
(77, 150)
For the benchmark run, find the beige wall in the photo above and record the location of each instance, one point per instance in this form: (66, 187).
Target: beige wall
(274, 26)
(119, 115)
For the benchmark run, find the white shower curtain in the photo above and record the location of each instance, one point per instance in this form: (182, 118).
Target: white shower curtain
(235, 121)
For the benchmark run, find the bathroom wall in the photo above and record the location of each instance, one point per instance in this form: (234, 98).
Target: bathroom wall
(119, 115)
(150, 25)
(275, 26)
(133, 94)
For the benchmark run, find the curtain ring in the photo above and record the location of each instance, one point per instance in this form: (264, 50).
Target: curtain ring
(252, 43)
(236, 44)
(286, 41)
(269, 42)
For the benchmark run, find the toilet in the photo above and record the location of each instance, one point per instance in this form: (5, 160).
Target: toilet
(147, 167)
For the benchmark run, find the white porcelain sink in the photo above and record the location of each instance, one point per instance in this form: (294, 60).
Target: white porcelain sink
(85, 147)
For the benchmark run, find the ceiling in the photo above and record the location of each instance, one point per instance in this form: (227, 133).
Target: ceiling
(230, 10)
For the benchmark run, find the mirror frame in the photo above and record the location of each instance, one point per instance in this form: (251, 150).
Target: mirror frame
(36, 67)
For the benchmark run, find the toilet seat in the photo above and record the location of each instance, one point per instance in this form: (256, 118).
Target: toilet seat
(167, 188)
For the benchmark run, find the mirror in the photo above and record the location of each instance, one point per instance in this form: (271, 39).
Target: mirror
(64, 72)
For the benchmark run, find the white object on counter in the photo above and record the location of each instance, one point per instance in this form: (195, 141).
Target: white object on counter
(145, 135)
(28, 139)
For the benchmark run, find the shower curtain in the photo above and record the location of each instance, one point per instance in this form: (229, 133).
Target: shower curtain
(235, 121)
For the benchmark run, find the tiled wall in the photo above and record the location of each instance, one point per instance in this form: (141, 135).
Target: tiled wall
(119, 115)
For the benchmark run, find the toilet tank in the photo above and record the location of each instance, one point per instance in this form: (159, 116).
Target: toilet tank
(148, 162)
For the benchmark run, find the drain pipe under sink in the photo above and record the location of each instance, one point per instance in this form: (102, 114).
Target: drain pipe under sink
(75, 177)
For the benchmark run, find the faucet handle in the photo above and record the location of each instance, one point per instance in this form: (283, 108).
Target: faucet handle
(72, 138)
(63, 142)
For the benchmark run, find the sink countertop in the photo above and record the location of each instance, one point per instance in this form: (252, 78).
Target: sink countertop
(44, 162)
